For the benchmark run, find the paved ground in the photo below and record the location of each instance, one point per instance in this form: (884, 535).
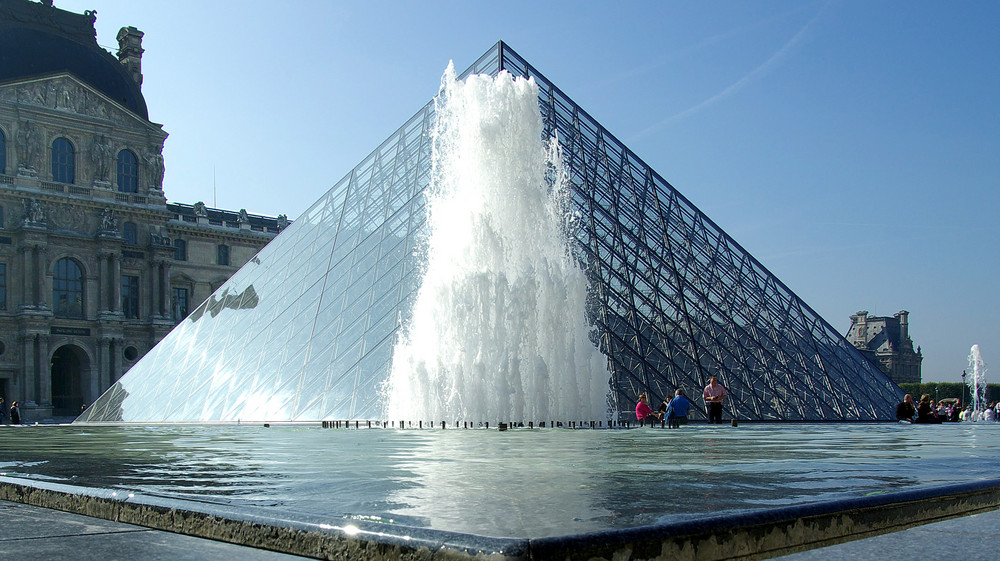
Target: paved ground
(29, 533)
(970, 538)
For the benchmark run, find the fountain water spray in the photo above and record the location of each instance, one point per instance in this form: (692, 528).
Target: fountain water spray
(977, 384)
(499, 328)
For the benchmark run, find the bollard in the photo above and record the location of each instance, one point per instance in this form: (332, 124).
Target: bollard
(487, 424)
(442, 425)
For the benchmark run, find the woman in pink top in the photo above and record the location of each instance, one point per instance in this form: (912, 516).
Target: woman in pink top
(643, 411)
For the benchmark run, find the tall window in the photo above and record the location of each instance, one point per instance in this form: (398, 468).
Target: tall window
(128, 172)
(180, 250)
(3, 286)
(3, 153)
(67, 289)
(63, 161)
(180, 302)
(223, 254)
(130, 233)
(130, 296)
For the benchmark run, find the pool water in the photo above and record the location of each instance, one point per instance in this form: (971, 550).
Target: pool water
(519, 483)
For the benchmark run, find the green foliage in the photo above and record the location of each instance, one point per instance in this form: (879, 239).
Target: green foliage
(943, 390)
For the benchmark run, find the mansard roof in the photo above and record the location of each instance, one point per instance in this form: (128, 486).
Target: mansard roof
(38, 39)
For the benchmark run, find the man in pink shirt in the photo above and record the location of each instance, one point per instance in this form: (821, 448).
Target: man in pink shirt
(714, 394)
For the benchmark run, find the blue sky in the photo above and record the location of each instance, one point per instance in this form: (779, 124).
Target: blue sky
(852, 146)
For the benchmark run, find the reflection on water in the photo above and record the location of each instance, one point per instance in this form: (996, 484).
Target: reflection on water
(517, 483)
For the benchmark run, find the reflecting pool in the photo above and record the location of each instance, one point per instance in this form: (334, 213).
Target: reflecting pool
(519, 483)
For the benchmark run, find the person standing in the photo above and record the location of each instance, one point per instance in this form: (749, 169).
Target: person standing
(3, 412)
(714, 395)
(15, 414)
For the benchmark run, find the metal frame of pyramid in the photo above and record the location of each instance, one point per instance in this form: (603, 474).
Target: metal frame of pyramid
(305, 330)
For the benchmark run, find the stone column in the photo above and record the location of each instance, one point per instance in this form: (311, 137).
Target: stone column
(41, 268)
(165, 293)
(116, 283)
(27, 375)
(27, 290)
(114, 347)
(154, 294)
(102, 281)
(44, 372)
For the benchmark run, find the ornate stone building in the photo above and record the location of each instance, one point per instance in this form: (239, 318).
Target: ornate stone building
(95, 265)
(887, 341)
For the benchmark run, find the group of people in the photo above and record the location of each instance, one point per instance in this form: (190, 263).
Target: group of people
(675, 410)
(14, 413)
(944, 411)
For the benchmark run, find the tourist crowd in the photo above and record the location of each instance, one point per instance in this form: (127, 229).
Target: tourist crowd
(927, 411)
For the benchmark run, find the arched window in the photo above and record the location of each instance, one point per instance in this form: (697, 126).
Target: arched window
(67, 289)
(3, 153)
(63, 161)
(128, 172)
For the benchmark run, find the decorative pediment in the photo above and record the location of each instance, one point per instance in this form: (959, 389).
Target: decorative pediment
(64, 92)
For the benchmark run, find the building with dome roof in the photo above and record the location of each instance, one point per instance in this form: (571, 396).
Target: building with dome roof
(95, 265)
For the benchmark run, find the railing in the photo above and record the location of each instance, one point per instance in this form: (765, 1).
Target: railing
(130, 198)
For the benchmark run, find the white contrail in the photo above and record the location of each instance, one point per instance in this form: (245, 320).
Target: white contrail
(767, 65)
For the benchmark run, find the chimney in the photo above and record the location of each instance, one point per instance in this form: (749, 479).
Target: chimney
(130, 51)
(904, 326)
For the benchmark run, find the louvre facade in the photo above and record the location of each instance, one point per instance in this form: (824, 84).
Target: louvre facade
(305, 331)
(96, 266)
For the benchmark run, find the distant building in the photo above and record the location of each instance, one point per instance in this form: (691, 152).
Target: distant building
(95, 265)
(887, 341)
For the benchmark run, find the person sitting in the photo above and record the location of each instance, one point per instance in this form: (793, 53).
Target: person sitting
(644, 412)
(677, 410)
(906, 410)
(925, 411)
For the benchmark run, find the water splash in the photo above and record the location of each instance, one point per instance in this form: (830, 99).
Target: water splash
(499, 328)
(977, 383)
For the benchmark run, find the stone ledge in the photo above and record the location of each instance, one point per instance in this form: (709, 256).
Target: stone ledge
(746, 535)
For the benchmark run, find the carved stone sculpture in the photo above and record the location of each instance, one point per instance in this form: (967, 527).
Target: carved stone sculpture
(109, 222)
(28, 149)
(154, 167)
(34, 212)
(100, 156)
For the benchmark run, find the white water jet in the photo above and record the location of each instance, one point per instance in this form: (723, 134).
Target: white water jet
(499, 329)
(977, 383)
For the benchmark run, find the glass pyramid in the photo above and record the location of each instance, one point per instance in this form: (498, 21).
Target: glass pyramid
(305, 330)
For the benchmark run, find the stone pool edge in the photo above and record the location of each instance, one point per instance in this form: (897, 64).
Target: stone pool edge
(745, 535)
